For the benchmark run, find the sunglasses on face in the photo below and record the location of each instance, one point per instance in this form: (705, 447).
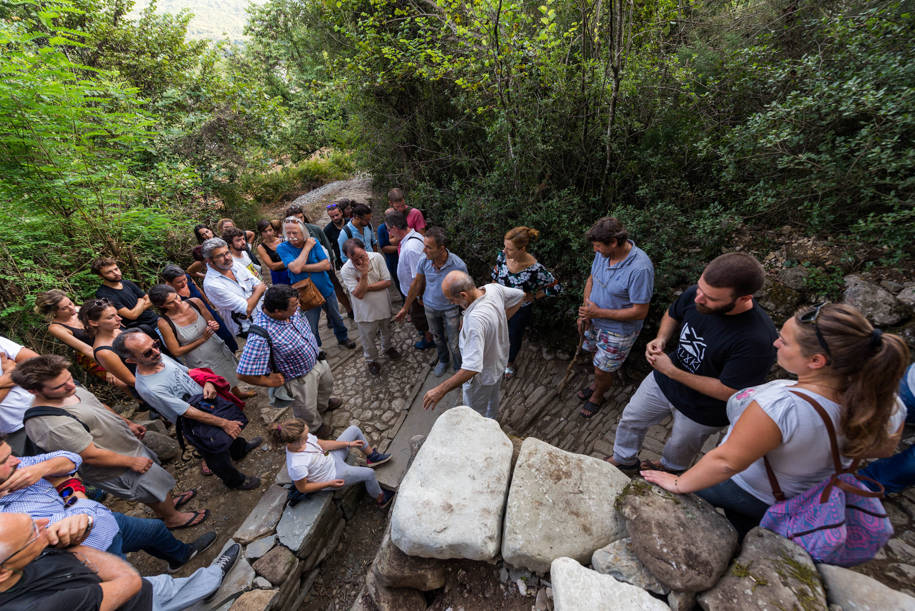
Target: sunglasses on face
(152, 351)
(810, 318)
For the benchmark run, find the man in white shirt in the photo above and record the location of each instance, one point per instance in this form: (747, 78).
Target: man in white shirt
(483, 341)
(410, 243)
(365, 275)
(231, 288)
(14, 399)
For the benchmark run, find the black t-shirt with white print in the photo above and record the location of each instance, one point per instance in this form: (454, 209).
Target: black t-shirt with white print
(737, 350)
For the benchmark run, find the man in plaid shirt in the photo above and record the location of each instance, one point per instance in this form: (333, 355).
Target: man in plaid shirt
(289, 358)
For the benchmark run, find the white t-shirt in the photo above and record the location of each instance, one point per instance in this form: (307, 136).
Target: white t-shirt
(310, 463)
(374, 305)
(229, 296)
(484, 334)
(411, 253)
(248, 264)
(18, 399)
(804, 459)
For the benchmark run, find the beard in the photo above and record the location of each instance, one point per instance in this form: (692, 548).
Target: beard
(719, 310)
(223, 266)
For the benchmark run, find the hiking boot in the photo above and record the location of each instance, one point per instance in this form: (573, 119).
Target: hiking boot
(347, 343)
(251, 445)
(440, 369)
(376, 458)
(198, 545)
(333, 403)
(250, 483)
(392, 354)
(374, 368)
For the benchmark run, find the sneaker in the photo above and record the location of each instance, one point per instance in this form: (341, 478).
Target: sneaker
(347, 343)
(226, 560)
(392, 354)
(376, 458)
(424, 344)
(250, 483)
(386, 496)
(198, 545)
(374, 368)
(440, 369)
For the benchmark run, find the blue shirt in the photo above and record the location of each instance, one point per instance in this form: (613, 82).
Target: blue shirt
(390, 258)
(289, 253)
(620, 286)
(433, 297)
(366, 235)
(41, 500)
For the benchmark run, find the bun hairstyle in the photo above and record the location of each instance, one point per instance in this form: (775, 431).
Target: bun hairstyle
(287, 431)
(521, 236)
(868, 365)
(92, 311)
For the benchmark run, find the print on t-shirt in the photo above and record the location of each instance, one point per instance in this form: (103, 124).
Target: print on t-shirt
(691, 349)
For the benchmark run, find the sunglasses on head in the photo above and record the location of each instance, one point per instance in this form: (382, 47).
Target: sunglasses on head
(810, 318)
(149, 353)
(332, 206)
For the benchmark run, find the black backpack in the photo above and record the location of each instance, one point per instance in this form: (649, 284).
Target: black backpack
(373, 245)
(37, 411)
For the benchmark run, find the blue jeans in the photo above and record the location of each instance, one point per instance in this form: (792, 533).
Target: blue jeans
(151, 536)
(895, 472)
(332, 309)
(742, 508)
(445, 326)
(516, 327)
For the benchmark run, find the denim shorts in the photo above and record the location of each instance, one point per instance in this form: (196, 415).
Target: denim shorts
(610, 349)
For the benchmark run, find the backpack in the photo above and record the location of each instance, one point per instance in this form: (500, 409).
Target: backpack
(208, 438)
(374, 242)
(838, 521)
(37, 411)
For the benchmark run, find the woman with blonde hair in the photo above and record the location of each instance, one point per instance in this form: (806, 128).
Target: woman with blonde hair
(517, 268)
(65, 325)
(842, 363)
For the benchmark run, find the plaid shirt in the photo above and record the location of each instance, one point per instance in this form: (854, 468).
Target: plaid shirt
(295, 349)
(41, 500)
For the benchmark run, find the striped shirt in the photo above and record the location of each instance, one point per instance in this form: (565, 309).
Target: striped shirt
(41, 500)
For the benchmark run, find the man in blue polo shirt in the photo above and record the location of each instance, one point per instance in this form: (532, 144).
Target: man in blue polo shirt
(616, 298)
(307, 259)
(444, 318)
(360, 226)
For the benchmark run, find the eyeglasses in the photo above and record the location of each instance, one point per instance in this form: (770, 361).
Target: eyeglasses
(155, 348)
(810, 317)
(36, 532)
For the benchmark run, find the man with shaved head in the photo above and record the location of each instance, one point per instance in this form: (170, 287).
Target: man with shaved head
(483, 341)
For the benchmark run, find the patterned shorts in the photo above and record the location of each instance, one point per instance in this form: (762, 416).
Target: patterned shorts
(610, 349)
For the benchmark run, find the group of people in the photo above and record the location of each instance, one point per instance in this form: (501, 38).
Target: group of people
(176, 349)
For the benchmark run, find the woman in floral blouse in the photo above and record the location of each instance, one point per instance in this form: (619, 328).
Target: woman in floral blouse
(517, 268)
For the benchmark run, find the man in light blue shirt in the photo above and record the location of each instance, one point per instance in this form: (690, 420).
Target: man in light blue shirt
(444, 318)
(360, 226)
(616, 299)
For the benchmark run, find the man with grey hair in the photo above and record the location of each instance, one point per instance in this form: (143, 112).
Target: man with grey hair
(483, 340)
(306, 259)
(231, 288)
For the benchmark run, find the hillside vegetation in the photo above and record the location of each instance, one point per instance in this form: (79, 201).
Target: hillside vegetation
(697, 123)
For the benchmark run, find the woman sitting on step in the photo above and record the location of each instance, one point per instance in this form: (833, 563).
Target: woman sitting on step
(842, 363)
(316, 464)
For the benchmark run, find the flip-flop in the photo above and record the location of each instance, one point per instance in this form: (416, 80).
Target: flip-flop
(184, 497)
(195, 520)
(588, 410)
(585, 393)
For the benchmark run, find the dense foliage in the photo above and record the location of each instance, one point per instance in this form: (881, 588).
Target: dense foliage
(692, 121)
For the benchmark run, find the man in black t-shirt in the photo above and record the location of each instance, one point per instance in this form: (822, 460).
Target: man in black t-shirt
(132, 303)
(725, 344)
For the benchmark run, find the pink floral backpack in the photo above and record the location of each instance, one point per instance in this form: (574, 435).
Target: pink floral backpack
(838, 521)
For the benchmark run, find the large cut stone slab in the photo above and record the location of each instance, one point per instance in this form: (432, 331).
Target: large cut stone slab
(620, 562)
(263, 518)
(255, 600)
(856, 592)
(450, 502)
(679, 538)
(771, 572)
(576, 588)
(559, 504)
(302, 524)
(394, 569)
